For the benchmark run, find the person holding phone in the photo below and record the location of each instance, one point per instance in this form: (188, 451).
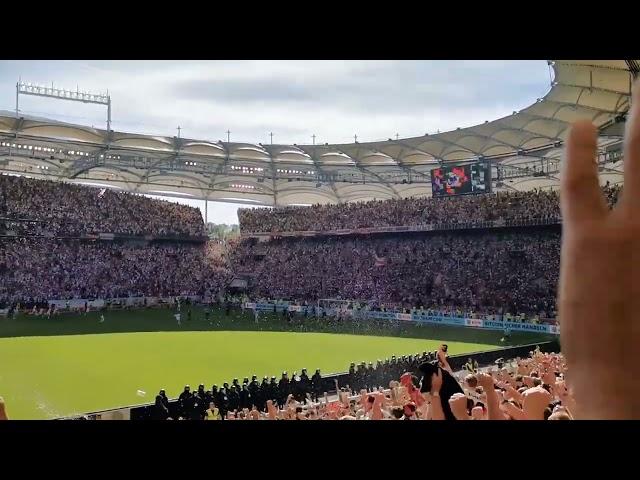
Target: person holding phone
(441, 386)
(442, 357)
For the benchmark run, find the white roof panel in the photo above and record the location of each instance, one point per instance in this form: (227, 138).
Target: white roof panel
(595, 89)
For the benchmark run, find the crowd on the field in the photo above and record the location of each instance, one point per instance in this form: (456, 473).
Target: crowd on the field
(476, 272)
(64, 209)
(33, 269)
(420, 387)
(530, 206)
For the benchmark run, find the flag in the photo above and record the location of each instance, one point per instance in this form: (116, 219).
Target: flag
(102, 190)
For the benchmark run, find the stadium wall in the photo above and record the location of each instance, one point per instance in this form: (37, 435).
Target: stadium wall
(439, 227)
(79, 303)
(413, 317)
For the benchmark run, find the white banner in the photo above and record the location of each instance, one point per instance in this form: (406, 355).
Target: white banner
(474, 322)
(78, 303)
(555, 329)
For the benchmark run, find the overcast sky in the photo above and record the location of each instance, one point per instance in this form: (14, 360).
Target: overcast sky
(334, 100)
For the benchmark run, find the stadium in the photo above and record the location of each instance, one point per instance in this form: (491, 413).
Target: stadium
(338, 295)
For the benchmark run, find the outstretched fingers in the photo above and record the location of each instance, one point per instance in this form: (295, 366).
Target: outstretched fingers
(631, 194)
(581, 199)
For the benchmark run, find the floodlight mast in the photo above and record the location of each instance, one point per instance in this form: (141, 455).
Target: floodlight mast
(23, 88)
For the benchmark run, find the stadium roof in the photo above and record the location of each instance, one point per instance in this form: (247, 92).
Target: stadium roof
(304, 174)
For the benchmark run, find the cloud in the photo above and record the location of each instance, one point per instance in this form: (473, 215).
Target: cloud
(242, 91)
(392, 88)
(294, 99)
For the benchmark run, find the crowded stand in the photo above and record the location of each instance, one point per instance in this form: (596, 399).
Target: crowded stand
(468, 274)
(39, 268)
(489, 273)
(64, 209)
(414, 387)
(535, 206)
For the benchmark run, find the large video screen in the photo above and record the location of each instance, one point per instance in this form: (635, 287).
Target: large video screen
(460, 180)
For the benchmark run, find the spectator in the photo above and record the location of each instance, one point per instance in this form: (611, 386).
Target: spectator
(535, 207)
(497, 396)
(39, 269)
(65, 209)
(489, 273)
(161, 407)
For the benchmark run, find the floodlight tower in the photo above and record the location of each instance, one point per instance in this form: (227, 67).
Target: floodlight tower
(23, 88)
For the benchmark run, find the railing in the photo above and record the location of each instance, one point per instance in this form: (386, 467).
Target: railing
(75, 305)
(74, 232)
(408, 228)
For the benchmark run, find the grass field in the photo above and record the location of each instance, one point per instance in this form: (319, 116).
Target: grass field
(73, 364)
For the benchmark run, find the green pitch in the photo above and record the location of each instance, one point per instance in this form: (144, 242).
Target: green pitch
(74, 364)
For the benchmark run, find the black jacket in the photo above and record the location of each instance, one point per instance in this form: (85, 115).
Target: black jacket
(245, 398)
(183, 401)
(256, 393)
(274, 391)
(305, 382)
(161, 408)
(222, 400)
(283, 387)
(234, 399)
(316, 382)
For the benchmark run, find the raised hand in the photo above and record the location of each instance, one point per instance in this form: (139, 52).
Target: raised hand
(458, 404)
(512, 411)
(436, 381)
(254, 414)
(477, 413)
(549, 378)
(485, 380)
(599, 290)
(512, 394)
(272, 411)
